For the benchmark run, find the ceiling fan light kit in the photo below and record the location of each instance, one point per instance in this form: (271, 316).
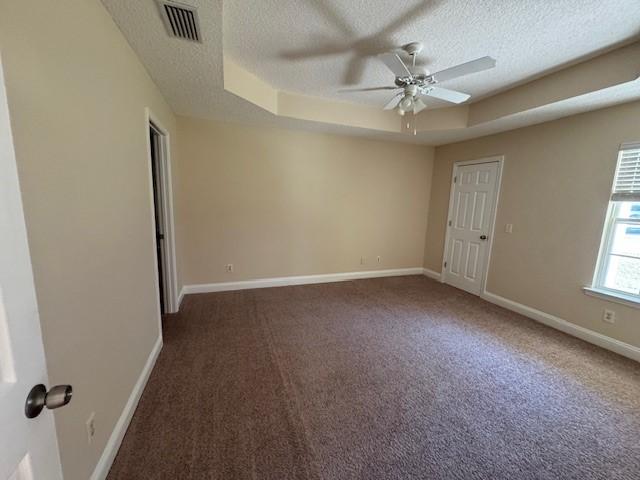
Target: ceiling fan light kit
(413, 85)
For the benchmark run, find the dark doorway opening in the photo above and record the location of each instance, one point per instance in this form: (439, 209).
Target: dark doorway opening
(155, 139)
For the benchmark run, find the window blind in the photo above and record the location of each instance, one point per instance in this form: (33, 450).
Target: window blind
(626, 186)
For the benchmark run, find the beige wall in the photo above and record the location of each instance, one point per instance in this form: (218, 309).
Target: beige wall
(279, 203)
(272, 202)
(555, 189)
(77, 97)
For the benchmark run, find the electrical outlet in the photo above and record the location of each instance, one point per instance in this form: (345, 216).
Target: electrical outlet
(229, 267)
(378, 258)
(363, 260)
(508, 228)
(609, 316)
(91, 427)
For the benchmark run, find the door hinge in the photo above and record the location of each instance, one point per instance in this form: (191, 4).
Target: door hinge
(445, 264)
(449, 222)
(455, 179)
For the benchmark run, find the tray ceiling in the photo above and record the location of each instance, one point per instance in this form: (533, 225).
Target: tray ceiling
(270, 39)
(318, 47)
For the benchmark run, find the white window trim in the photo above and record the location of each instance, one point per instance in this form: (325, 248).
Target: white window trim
(597, 288)
(612, 296)
(605, 247)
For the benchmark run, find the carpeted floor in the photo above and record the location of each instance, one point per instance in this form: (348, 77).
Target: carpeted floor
(394, 378)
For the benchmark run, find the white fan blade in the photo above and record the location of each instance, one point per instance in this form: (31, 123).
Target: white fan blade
(393, 103)
(477, 65)
(448, 95)
(418, 106)
(395, 64)
(371, 89)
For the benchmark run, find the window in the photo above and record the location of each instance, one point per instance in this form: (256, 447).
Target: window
(618, 270)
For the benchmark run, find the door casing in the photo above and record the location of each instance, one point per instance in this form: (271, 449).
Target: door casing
(170, 275)
(499, 159)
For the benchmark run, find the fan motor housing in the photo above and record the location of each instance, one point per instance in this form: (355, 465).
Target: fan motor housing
(421, 80)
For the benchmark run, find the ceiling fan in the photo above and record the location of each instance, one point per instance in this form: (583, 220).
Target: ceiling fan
(413, 85)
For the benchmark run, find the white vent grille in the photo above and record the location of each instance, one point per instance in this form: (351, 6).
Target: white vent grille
(180, 20)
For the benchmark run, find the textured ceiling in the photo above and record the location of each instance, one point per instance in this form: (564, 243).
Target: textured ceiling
(317, 47)
(527, 37)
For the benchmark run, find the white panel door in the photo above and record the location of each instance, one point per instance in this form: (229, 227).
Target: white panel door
(470, 221)
(28, 447)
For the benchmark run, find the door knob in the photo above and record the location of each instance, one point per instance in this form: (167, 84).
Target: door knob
(483, 237)
(39, 398)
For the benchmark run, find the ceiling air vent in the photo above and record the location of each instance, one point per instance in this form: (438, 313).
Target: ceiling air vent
(181, 20)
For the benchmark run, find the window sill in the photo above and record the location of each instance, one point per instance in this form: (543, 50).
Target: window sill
(628, 300)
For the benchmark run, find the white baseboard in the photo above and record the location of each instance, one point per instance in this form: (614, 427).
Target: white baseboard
(180, 297)
(585, 334)
(297, 280)
(111, 449)
(432, 274)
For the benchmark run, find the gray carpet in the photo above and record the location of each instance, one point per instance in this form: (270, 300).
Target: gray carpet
(395, 378)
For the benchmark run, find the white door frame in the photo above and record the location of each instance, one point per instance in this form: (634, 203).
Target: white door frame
(499, 159)
(171, 278)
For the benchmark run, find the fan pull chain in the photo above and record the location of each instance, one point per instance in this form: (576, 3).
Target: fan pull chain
(410, 120)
